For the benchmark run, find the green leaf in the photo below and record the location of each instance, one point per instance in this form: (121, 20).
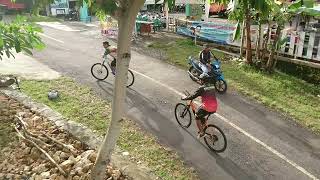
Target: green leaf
(19, 36)
(308, 3)
(1, 41)
(27, 51)
(8, 53)
(237, 31)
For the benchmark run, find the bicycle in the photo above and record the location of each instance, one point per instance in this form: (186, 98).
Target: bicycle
(211, 131)
(101, 72)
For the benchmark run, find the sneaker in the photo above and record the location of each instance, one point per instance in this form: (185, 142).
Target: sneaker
(200, 135)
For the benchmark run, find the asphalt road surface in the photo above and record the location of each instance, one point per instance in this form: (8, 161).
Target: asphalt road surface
(262, 144)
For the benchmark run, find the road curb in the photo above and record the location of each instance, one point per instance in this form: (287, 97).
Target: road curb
(84, 134)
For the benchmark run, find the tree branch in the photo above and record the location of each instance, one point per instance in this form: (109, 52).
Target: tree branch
(43, 151)
(70, 148)
(30, 135)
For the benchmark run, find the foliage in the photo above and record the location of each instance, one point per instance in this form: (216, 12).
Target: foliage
(309, 74)
(40, 4)
(42, 19)
(19, 36)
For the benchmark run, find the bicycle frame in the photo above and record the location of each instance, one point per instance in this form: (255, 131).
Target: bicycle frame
(106, 61)
(193, 106)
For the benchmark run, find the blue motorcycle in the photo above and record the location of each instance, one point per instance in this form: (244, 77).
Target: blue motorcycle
(215, 75)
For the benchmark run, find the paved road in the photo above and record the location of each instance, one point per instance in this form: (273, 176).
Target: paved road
(261, 143)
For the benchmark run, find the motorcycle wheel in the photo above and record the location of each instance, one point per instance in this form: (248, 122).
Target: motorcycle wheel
(193, 71)
(221, 86)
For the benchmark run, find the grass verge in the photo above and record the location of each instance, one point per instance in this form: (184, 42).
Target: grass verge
(80, 104)
(42, 19)
(279, 91)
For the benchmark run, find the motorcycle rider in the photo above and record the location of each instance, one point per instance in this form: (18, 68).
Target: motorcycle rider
(209, 103)
(205, 58)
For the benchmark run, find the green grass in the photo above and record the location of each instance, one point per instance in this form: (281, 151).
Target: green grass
(42, 19)
(80, 104)
(279, 91)
(178, 51)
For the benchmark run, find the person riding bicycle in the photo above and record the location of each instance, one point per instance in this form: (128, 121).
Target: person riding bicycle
(209, 103)
(110, 50)
(205, 58)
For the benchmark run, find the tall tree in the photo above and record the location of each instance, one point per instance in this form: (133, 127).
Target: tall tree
(125, 11)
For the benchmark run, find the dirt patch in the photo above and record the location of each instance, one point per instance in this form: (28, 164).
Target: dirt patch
(21, 159)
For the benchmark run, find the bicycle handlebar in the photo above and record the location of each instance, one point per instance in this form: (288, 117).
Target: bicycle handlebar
(186, 93)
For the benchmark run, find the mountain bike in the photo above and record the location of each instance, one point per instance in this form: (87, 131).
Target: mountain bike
(214, 137)
(101, 72)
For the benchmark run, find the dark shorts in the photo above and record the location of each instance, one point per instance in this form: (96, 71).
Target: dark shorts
(114, 62)
(201, 114)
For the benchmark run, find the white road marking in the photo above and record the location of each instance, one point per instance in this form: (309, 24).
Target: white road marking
(49, 37)
(272, 150)
(91, 25)
(58, 25)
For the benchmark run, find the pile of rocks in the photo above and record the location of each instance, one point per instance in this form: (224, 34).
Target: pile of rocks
(22, 160)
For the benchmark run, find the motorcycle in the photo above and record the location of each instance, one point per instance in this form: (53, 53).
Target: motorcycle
(72, 16)
(215, 75)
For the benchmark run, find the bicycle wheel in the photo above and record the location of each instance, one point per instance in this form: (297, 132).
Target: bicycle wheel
(130, 78)
(215, 138)
(183, 115)
(99, 71)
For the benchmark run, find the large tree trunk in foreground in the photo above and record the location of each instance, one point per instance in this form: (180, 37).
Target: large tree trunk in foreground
(126, 20)
(248, 36)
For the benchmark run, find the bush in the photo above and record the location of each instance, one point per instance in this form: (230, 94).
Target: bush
(309, 74)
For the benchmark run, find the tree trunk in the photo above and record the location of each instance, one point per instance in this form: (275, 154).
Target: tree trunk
(265, 43)
(166, 10)
(207, 10)
(248, 35)
(243, 34)
(126, 22)
(36, 11)
(270, 62)
(258, 46)
(48, 10)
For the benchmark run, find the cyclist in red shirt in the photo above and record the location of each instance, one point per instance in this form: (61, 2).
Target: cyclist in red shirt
(209, 103)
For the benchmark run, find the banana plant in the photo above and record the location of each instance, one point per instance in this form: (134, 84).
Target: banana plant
(281, 14)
